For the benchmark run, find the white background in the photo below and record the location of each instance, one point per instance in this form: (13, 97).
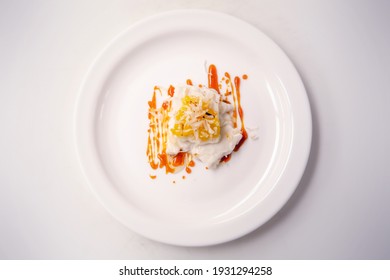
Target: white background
(341, 208)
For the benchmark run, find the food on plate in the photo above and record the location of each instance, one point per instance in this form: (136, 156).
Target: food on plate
(188, 122)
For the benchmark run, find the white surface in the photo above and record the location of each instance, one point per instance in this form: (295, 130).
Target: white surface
(340, 209)
(208, 207)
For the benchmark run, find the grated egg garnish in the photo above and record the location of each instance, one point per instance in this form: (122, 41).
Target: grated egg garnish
(196, 119)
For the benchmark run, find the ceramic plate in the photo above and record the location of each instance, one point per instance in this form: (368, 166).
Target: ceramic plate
(208, 206)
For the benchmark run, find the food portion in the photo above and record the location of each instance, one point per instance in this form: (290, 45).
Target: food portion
(201, 123)
(190, 122)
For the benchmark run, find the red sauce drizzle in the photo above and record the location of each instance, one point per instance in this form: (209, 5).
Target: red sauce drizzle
(226, 158)
(171, 90)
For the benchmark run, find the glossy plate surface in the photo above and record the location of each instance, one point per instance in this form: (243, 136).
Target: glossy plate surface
(208, 206)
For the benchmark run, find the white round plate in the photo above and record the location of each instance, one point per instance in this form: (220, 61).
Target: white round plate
(208, 206)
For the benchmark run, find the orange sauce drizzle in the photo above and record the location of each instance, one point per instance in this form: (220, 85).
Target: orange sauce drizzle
(165, 105)
(213, 78)
(157, 135)
(164, 162)
(245, 76)
(237, 84)
(189, 82)
(153, 176)
(152, 103)
(229, 80)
